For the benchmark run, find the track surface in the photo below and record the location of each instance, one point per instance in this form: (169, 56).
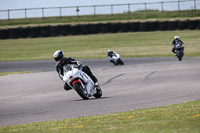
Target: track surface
(140, 83)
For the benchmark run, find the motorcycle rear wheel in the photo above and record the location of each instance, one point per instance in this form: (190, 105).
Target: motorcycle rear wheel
(99, 93)
(120, 62)
(81, 91)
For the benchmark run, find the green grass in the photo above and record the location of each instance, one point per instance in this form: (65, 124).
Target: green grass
(9, 73)
(137, 44)
(179, 118)
(136, 16)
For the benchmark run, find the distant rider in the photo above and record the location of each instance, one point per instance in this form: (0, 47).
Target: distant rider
(61, 61)
(111, 54)
(175, 42)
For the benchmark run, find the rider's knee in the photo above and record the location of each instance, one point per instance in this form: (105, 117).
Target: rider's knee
(67, 87)
(86, 68)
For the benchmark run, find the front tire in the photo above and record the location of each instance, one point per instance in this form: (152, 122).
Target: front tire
(180, 58)
(81, 91)
(180, 55)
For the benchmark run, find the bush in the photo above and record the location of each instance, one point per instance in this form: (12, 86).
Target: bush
(75, 29)
(85, 29)
(144, 26)
(35, 31)
(125, 27)
(135, 26)
(193, 24)
(153, 26)
(65, 30)
(95, 28)
(114, 27)
(105, 27)
(199, 25)
(14, 33)
(183, 25)
(55, 30)
(45, 31)
(4, 34)
(163, 25)
(173, 25)
(24, 32)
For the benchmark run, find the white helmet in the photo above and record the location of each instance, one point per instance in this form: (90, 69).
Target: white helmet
(109, 50)
(176, 37)
(58, 55)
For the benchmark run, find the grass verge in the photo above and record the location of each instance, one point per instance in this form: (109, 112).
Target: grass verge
(9, 73)
(138, 15)
(181, 118)
(132, 44)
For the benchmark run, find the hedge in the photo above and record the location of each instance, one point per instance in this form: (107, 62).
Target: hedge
(115, 27)
(105, 28)
(163, 25)
(85, 29)
(55, 30)
(173, 25)
(153, 26)
(199, 25)
(135, 26)
(14, 33)
(35, 31)
(193, 24)
(75, 29)
(65, 30)
(95, 28)
(24, 32)
(144, 26)
(183, 25)
(4, 34)
(125, 27)
(45, 31)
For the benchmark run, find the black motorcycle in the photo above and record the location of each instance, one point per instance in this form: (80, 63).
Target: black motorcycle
(179, 51)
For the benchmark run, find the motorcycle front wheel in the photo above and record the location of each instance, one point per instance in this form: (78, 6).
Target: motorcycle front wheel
(179, 56)
(81, 91)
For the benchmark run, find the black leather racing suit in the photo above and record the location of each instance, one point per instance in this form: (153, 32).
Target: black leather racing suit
(174, 43)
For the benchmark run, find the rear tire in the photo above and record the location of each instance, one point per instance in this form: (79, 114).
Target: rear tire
(120, 62)
(81, 91)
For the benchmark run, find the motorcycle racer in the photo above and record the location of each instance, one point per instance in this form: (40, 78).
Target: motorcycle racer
(61, 61)
(176, 41)
(114, 58)
(111, 54)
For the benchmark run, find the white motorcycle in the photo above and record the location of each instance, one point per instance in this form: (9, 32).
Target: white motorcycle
(116, 60)
(80, 82)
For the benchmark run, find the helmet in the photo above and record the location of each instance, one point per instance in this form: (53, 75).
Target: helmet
(58, 55)
(176, 37)
(109, 50)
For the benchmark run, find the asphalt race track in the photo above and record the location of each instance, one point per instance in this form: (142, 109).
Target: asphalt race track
(140, 83)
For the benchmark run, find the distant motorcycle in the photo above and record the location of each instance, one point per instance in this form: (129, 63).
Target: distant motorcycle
(116, 60)
(80, 82)
(179, 51)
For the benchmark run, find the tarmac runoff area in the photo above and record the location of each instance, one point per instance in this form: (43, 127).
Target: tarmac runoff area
(140, 83)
